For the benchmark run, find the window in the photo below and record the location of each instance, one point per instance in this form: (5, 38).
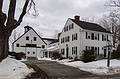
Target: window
(72, 25)
(43, 46)
(17, 45)
(87, 36)
(98, 50)
(107, 38)
(28, 52)
(62, 51)
(98, 36)
(67, 28)
(74, 50)
(33, 52)
(68, 38)
(74, 37)
(64, 29)
(27, 38)
(104, 38)
(63, 40)
(92, 48)
(35, 38)
(95, 49)
(92, 36)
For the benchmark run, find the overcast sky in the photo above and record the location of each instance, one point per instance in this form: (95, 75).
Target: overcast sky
(54, 13)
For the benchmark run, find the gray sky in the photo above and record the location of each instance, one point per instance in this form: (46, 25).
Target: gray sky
(54, 13)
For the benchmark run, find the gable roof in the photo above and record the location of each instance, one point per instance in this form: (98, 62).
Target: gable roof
(28, 31)
(90, 26)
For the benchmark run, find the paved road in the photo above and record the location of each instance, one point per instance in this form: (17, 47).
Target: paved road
(53, 70)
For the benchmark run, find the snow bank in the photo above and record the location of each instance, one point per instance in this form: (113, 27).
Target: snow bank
(45, 59)
(13, 69)
(97, 67)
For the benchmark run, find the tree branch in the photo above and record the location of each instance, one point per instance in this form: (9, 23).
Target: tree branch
(11, 13)
(22, 15)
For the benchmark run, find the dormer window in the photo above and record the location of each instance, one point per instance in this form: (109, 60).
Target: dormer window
(27, 37)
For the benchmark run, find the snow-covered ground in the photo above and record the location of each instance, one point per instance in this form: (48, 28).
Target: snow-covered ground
(96, 67)
(13, 69)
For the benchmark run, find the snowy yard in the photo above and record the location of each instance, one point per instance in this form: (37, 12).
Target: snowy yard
(13, 69)
(96, 67)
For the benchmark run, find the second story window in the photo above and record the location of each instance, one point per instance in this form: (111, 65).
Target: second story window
(27, 37)
(98, 36)
(92, 36)
(35, 38)
(104, 38)
(88, 35)
(74, 37)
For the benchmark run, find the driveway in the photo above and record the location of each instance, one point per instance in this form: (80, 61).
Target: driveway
(53, 70)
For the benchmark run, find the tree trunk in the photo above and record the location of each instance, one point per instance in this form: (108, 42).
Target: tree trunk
(4, 45)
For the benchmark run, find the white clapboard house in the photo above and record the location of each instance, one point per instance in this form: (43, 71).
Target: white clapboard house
(78, 35)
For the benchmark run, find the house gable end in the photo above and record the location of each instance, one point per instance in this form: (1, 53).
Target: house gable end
(26, 33)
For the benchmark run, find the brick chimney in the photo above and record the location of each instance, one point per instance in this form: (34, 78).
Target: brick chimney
(27, 28)
(77, 18)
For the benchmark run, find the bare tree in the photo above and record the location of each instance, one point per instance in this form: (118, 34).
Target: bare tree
(112, 23)
(8, 24)
(116, 3)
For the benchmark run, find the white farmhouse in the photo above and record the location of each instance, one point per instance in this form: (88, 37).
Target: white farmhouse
(30, 43)
(77, 36)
